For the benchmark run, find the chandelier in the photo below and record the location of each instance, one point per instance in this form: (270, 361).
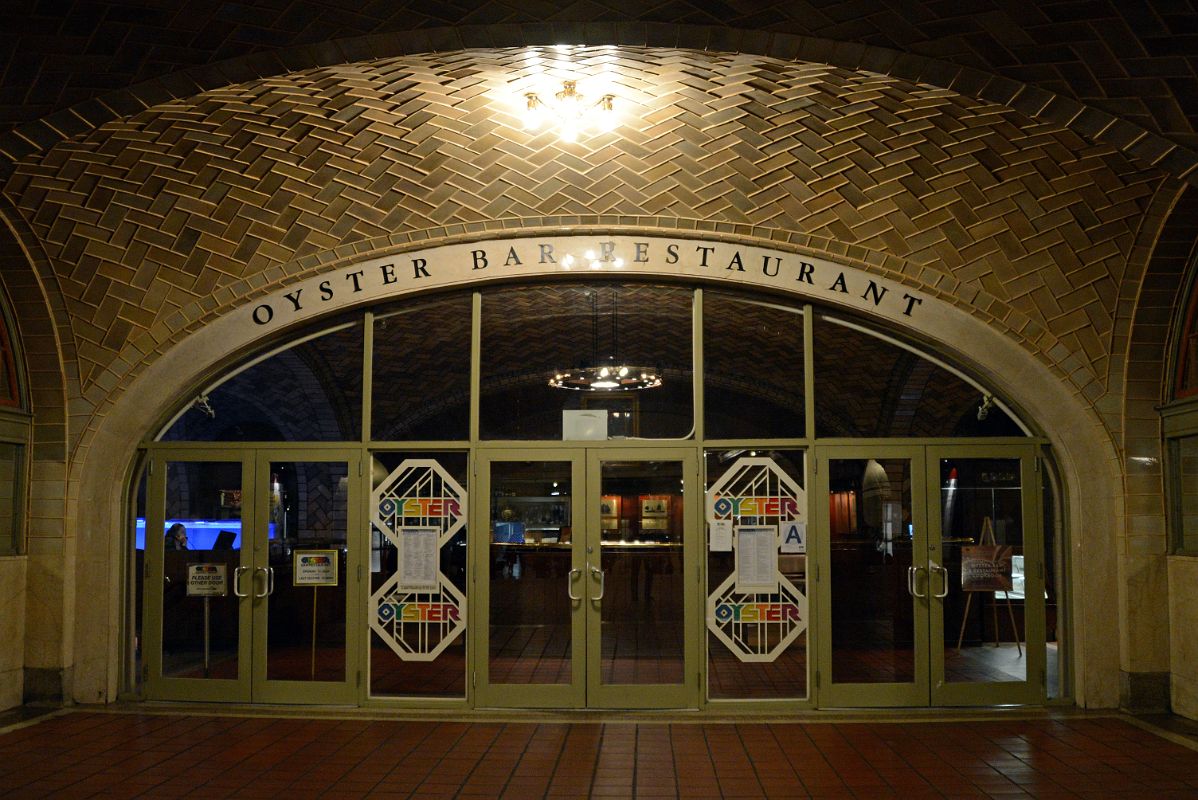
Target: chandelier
(607, 378)
(571, 110)
(612, 375)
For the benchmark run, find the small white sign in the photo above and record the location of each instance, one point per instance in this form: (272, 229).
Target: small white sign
(589, 424)
(794, 536)
(314, 568)
(206, 580)
(418, 556)
(721, 535)
(757, 559)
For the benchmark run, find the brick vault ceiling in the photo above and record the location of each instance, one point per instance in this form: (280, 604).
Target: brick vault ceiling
(152, 213)
(1135, 60)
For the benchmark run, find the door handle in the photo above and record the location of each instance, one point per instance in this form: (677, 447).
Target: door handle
(943, 577)
(596, 572)
(574, 573)
(913, 582)
(265, 583)
(270, 581)
(237, 582)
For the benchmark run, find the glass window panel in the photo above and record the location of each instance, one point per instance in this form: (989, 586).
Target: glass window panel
(307, 520)
(1186, 380)
(873, 615)
(785, 675)
(530, 612)
(1184, 464)
(9, 394)
(306, 393)
(203, 526)
(532, 333)
(445, 675)
(1053, 578)
(134, 652)
(641, 627)
(421, 372)
(753, 369)
(869, 387)
(981, 506)
(10, 497)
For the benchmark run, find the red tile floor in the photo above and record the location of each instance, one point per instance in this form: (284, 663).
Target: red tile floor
(78, 754)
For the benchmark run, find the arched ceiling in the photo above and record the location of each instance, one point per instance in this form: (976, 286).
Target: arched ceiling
(1134, 60)
(217, 194)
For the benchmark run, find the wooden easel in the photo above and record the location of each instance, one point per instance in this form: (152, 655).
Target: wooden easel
(987, 538)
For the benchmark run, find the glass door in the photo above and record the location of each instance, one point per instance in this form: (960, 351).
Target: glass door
(307, 626)
(988, 593)
(641, 567)
(196, 573)
(935, 584)
(248, 573)
(585, 596)
(530, 580)
(874, 640)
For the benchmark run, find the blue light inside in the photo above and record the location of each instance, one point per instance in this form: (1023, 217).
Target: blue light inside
(201, 533)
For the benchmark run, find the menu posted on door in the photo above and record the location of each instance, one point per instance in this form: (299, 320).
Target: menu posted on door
(757, 558)
(418, 557)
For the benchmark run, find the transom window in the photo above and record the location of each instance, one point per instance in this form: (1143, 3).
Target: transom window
(756, 361)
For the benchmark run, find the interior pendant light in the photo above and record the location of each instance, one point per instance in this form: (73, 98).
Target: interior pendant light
(610, 374)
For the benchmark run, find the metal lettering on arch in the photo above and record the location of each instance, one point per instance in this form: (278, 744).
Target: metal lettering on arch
(418, 624)
(757, 626)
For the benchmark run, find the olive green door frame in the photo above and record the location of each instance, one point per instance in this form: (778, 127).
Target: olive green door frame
(585, 586)
(928, 584)
(157, 685)
(251, 582)
(571, 694)
(344, 691)
(1033, 689)
(831, 693)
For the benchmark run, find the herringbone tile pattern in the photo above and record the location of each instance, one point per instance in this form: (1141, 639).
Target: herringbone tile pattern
(1134, 61)
(1022, 221)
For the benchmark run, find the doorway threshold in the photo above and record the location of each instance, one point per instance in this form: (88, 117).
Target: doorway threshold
(668, 716)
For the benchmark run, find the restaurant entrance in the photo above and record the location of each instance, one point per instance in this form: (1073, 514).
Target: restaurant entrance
(251, 582)
(936, 583)
(588, 587)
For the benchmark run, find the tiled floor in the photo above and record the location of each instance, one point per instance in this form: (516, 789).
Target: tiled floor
(94, 754)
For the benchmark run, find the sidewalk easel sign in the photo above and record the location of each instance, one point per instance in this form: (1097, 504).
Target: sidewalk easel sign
(207, 581)
(986, 567)
(314, 568)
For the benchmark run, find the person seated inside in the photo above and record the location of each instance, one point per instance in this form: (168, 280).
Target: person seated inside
(176, 537)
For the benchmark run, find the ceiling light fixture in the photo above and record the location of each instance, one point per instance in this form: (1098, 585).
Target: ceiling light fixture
(572, 111)
(612, 375)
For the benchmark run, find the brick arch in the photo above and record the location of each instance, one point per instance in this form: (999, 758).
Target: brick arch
(970, 74)
(1159, 308)
(1081, 443)
(43, 342)
(158, 222)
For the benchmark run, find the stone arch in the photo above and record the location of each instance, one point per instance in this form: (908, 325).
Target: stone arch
(1082, 446)
(39, 325)
(1159, 310)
